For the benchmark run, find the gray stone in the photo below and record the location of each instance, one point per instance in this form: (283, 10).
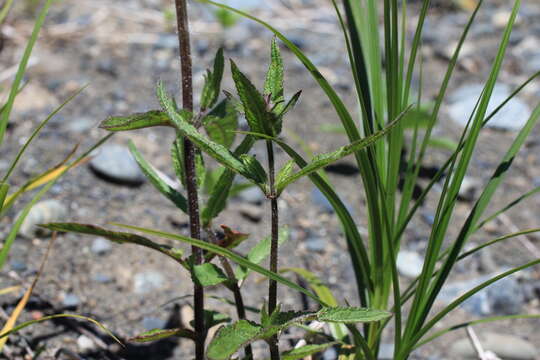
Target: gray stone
(115, 163)
(409, 264)
(468, 189)
(251, 212)
(42, 213)
(147, 281)
(17, 265)
(85, 344)
(253, 195)
(101, 246)
(511, 117)
(315, 243)
(321, 201)
(330, 354)
(151, 323)
(81, 125)
(507, 347)
(71, 300)
(102, 278)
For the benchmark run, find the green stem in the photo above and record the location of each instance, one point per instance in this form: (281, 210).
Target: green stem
(191, 179)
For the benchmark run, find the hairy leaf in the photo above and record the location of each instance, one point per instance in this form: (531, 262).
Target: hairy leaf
(254, 168)
(212, 83)
(284, 173)
(177, 156)
(220, 124)
(136, 121)
(305, 351)
(273, 86)
(349, 315)
(231, 338)
(208, 275)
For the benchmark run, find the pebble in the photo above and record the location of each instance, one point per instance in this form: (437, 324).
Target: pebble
(81, 125)
(147, 281)
(315, 243)
(151, 323)
(101, 246)
(330, 354)
(85, 344)
(18, 266)
(42, 213)
(511, 117)
(409, 264)
(253, 195)
(251, 212)
(468, 189)
(71, 301)
(116, 164)
(102, 278)
(508, 347)
(318, 198)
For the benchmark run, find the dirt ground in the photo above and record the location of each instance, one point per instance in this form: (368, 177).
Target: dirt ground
(120, 49)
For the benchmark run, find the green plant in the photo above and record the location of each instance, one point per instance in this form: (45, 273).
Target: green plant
(386, 105)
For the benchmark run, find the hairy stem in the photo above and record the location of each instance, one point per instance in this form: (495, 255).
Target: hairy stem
(189, 161)
(272, 287)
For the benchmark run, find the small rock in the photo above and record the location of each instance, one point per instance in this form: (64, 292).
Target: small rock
(85, 344)
(148, 281)
(315, 243)
(151, 323)
(253, 195)
(409, 264)
(107, 66)
(18, 266)
(330, 354)
(506, 296)
(81, 125)
(320, 200)
(251, 212)
(512, 116)
(468, 189)
(508, 347)
(42, 213)
(71, 301)
(116, 164)
(102, 278)
(101, 246)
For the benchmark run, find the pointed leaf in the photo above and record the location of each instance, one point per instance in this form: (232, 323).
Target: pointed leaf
(349, 315)
(177, 156)
(221, 123)
(273, 86)
(215, 150)
(117, 237)
(261, 251)
(136, 121)
(255, 108)
(231, 338)
(208, 275)
(170, 193)
(284, 109)
(254, 168)
(4, 188)
(284, 173)
(160, 334)
(306, 351)
(212, 84)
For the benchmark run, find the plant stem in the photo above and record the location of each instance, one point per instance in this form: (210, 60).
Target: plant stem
(272, 286)
(189, 161)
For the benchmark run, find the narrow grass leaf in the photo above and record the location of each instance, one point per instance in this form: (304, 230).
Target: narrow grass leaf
(306, 351)
(160, 334)
(136, 121)
(5, 10)
(170, 193)
(212, 83)
(228, 254)
(4, 188)
(9, 290)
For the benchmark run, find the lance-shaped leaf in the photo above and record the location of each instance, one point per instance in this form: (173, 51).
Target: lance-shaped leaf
(170, 193)
(221, 123)
(160, 334)
(273, 86)
(283, 108)
(215, 150)
(212, 82)
(232, 337)
(208, 275)
(261, 251)
(306, 351)
(4, 188)
(117, 237)
(254, 168)
(322, 160)
(255, 107)
(136, 121)
(284, 173)
(177, 156)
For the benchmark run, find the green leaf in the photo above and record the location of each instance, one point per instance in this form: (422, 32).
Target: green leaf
(220, 124)
(349, 315)
(290, 104)
(443, 143)
(231, 338)
(170, 193)
(160, 334)
(136, 121)
(255, 107)
(213, 318)
(284, 173)
(215, 150)
(305, 351)
(4, 188)
(261, 251)
(177, 156)
(254, 168)
(273, 86)
(117, 237)
(212, 83)
(417, 117)
(208, 275)
(228, 254)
